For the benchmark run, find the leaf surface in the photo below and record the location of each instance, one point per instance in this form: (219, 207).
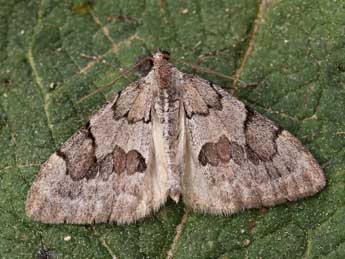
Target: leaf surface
(54, 53)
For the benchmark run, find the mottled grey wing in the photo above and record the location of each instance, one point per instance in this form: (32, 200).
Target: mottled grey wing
(237, 159)
(106, 172)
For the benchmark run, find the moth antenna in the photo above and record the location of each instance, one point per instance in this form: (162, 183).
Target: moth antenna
(123, 74)
(100, 89)
(209, 71)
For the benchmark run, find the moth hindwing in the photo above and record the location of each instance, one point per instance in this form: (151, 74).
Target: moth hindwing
(166, 135)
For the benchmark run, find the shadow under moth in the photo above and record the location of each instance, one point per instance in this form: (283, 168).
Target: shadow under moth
(171, 134)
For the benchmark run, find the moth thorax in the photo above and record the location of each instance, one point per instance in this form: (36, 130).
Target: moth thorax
(162, 68)
(164, 74)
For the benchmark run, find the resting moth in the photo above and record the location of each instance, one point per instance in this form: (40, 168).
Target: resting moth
(171, 134)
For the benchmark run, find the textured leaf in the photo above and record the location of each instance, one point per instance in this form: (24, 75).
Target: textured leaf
(54, 53)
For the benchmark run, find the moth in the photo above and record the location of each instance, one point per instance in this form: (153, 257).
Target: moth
(171, 134)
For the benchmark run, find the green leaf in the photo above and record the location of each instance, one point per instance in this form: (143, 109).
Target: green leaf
(54, 53)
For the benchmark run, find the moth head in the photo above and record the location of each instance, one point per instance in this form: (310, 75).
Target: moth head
(161, 55)
(144, 64)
